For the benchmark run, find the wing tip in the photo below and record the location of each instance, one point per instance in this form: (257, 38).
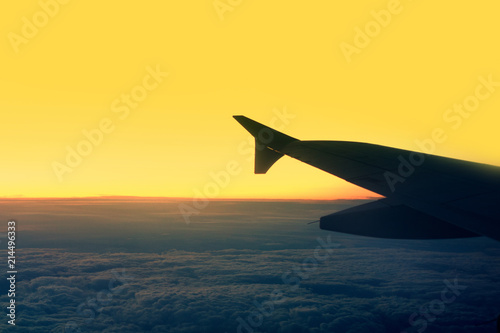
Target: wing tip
(268, 143)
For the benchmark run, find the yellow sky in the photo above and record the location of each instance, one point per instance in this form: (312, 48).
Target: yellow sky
(382, 72)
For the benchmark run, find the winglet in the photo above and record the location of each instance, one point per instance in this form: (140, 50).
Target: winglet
(268, 143)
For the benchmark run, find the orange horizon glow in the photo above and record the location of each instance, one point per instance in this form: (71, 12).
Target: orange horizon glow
(118, 197)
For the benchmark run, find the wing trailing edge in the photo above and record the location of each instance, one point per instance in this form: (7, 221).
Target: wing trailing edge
(384, 219)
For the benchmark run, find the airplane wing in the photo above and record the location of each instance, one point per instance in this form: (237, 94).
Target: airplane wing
(426, 196)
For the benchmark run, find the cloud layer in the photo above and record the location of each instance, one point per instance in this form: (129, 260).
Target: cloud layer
(243, 267)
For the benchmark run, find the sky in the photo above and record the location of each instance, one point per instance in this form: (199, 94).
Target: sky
(121, 265)
(136, 99)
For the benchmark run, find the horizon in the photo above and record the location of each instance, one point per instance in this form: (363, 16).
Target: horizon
(375, 197)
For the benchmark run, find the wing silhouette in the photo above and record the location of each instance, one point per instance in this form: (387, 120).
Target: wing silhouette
(426, 196)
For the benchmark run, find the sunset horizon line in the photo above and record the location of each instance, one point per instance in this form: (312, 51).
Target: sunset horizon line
(186, 198)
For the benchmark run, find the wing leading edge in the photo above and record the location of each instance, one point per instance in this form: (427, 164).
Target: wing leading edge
(427, 196)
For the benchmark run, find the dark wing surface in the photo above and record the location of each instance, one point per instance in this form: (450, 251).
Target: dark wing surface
(426, 196)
